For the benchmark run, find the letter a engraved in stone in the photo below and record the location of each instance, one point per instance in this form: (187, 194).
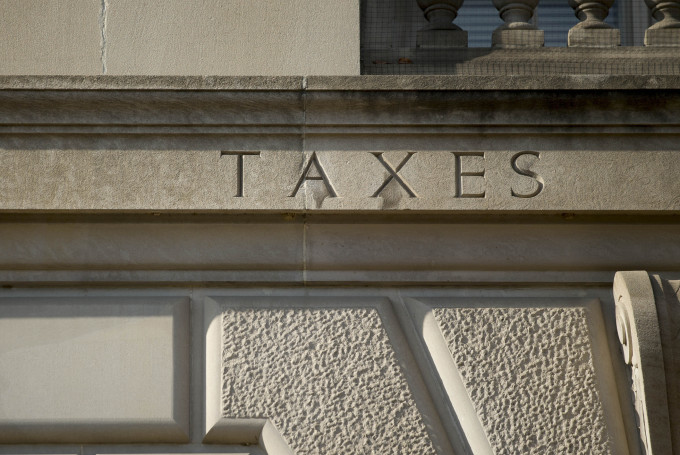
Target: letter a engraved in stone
(321, 176)
(528, 173)
(394, 174)
(239, 168)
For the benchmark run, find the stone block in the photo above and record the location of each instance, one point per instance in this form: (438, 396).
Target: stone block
(517, 38)
(314, 375)
(94, 370)
(547, 362)
(242, 37)
(39, 37)
(662, 37)
(208, 246)
(441, 38)
(594, 37)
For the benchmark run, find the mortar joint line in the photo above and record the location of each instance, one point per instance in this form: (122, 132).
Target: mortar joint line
(304, 151)
(304, 251)
(103, 21)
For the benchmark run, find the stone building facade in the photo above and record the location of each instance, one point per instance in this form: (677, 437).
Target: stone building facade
(235, 227)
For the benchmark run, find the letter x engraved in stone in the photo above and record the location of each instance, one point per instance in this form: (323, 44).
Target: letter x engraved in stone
(394, 174)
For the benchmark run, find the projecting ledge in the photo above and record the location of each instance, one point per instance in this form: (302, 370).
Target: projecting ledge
(436, 82)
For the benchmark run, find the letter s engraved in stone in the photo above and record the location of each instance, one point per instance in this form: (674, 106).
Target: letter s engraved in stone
(527, 172)
(239, 168)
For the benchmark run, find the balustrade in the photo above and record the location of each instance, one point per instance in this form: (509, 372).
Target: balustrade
(440, 30)
(519, 29)
(592, 30)
(666, 32)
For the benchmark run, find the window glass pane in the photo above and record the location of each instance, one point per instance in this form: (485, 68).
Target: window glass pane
(480, 18)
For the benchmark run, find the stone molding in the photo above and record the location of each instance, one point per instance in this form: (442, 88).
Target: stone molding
(647, 321)
(337, 150)
(513, 83)
(306, 253)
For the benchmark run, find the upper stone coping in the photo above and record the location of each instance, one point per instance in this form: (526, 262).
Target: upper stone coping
(342, 83)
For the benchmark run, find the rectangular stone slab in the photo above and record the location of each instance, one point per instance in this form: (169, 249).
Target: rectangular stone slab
(438, 145)
(94, 370)
(473, 180)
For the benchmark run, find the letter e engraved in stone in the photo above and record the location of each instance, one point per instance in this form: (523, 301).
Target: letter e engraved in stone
(394, 174)
(239, 168)
(322, 176)
(528, 173)
(460, 173)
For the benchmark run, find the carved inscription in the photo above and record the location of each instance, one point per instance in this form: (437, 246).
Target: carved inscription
(239, 168)
(469, 171)
(528, 173)
(394, 174)
(320, 175)
(460, 173)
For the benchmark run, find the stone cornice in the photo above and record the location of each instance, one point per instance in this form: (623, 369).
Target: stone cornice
(256, 148)
(342, 83)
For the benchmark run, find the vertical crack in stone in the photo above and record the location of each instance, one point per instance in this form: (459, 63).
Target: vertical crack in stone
(102, 27)
(304, 133)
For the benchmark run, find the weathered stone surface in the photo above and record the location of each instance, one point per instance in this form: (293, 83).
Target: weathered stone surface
(663, 37)
(594, 37)
(305, 366)
(647, 315)
(333, 151)
(138, 246)
(38, 37)
(510, 39)
(458, 82)
(421, 249)
(533, 62)
(667, 293)
(86, 370)
(531, 376)
(355, 83)
(446, 181)
(245, 37)
(284, 181)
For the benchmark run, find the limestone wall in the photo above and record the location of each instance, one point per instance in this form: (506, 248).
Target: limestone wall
(178, 37)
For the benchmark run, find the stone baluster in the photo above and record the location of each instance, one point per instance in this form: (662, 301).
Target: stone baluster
(592, 31)
(517, 30)
(666, 32)
(440, 30)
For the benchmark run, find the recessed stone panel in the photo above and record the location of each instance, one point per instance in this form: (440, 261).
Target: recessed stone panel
(330, 376)
(531, 374)
(84, 370)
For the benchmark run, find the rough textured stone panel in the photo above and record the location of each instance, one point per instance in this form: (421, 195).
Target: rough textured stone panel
(329, 380)
(530, 374)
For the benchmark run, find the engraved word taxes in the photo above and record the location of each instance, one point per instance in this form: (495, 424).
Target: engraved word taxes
(462, 171)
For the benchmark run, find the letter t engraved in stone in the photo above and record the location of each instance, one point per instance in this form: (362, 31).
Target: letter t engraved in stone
(460, 173)
(239, 168)
(394, 174)
(321, 176)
